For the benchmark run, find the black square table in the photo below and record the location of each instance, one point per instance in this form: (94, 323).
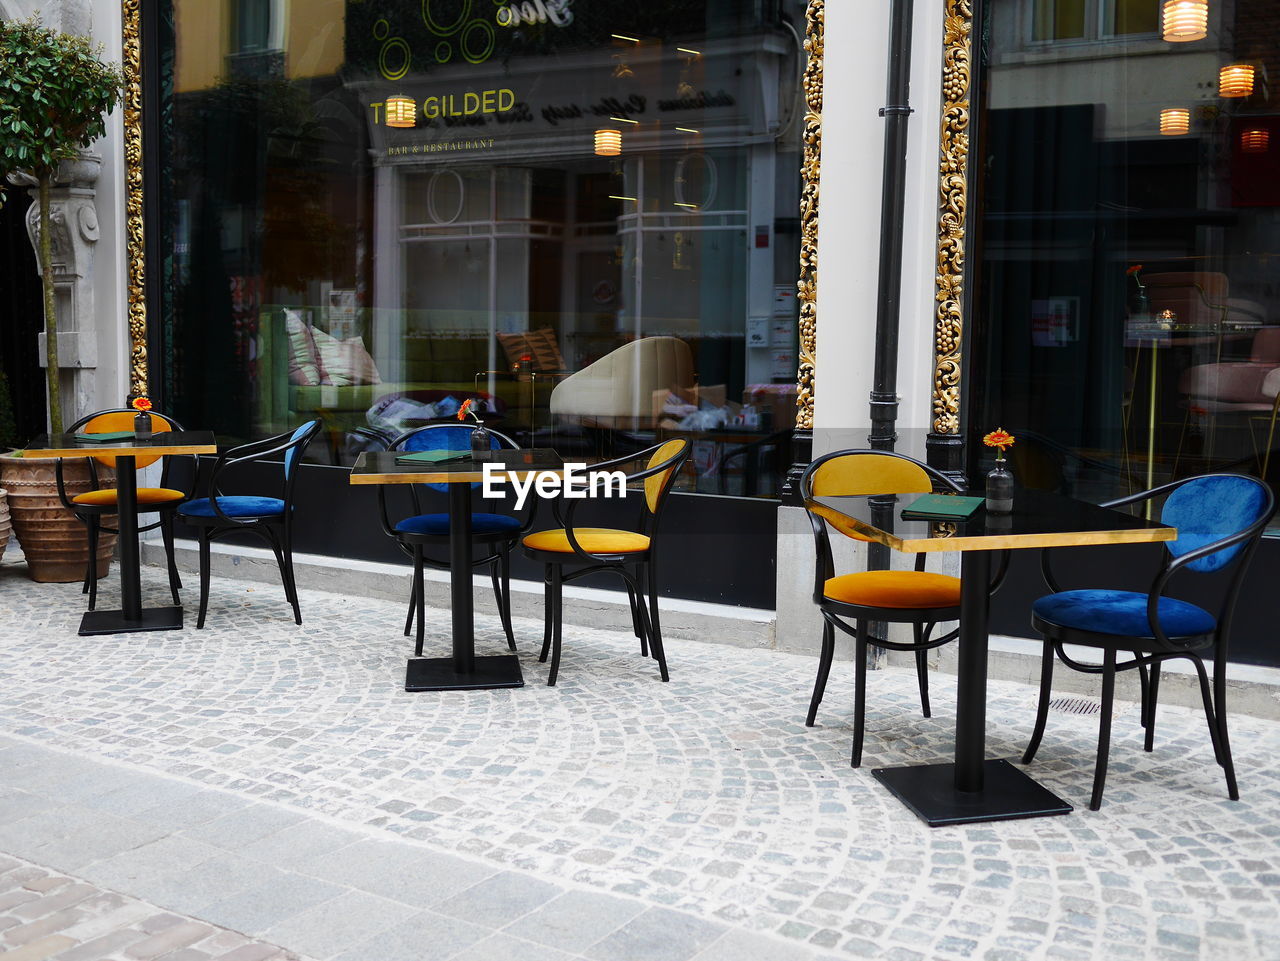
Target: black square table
(132, 616)
(973, 788)
(463, 671)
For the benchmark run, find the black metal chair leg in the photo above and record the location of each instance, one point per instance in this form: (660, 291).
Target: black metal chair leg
(922, 671)
(93, 562)
(859, 693)
(1042, 708)
(284, 579)
(1104, 728)
(548, 614)
(1153, 697)
(557, 594)
(1220, 715)
(1144, 693)
(824, 670)
(654, 626)
(1210, 712)
(504, 597)
(286, 549)
(413, 606)
(204, 579)
(636, 622)
(419, 600)
(166, 532)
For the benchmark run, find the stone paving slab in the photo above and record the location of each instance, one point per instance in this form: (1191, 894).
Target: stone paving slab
(46, 914)
(706, 796)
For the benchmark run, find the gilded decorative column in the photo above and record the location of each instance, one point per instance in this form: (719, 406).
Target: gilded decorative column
(811, 175)
(131, 18)
(953, 200)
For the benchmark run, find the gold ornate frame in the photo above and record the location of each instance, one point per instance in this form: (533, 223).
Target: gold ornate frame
(953, 188)
(953, 199)
(135, 252)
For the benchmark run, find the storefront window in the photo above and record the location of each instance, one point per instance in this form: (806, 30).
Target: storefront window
(1127, 312)
(582, 214)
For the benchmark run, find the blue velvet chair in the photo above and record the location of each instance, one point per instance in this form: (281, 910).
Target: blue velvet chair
(270, 518)
(415, 534)
(1219, 518)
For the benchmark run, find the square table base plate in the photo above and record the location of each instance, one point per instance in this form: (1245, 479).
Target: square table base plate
(114, 622)
(438, 674)
(1008, 793)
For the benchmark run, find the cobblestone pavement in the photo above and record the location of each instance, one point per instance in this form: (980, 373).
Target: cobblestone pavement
(49, 915)
(695, 819)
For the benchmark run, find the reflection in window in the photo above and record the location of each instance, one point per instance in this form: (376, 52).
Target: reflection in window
(587, 224)
(1128, 327)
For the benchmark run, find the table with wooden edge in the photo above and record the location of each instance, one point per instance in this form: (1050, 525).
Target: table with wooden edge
(132, 616)
(463, 671)
(973, 788)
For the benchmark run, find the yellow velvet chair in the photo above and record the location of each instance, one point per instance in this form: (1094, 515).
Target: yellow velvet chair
(94, 505)
(630, 554)
(917, 597)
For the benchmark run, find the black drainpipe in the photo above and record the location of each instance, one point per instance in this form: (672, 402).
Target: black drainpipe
(884, 390)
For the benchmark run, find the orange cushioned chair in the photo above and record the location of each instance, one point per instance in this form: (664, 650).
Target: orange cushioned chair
(92, 506)
(915, 597)
(632, 555)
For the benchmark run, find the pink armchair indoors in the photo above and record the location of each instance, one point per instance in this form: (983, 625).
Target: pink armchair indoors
(1239, 387)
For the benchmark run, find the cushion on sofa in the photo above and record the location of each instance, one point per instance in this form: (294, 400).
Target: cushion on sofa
(304, 361)
(344, 362)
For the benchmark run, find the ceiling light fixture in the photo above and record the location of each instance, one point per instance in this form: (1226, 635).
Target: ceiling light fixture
(1256, 140)
(608, 142)
(1236, 80)
(1175, 121)
(1182, 21)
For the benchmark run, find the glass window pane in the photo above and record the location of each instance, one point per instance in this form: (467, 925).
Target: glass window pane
(574, 222)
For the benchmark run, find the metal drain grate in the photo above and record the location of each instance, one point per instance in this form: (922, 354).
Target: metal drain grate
(1075, 705)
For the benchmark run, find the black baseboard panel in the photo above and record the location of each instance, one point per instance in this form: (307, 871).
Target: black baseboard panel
(716, 549)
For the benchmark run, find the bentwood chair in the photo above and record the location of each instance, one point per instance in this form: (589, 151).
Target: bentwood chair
(270, 518)
(92, 506)
(498, 533)
(916, 597)
(629, 554)
(1219, 518)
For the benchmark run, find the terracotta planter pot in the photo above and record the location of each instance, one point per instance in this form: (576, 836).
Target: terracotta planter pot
(54, 541)
(5, 527)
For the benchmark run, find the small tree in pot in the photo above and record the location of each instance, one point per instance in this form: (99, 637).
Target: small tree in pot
(54, 97)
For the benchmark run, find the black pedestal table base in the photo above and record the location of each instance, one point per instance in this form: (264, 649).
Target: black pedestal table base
(117, 622)
(929, 790)
(441, 674)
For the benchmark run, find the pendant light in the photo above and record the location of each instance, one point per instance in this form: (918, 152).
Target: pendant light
(1175, 121)
(1182, 21)
(608, 142)
(1256, 140)
(1235, 80)
(401, 112)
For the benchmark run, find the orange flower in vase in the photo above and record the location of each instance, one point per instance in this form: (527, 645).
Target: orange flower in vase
(142, 419)
(999, 481)
(481, 442)
(1000, 439)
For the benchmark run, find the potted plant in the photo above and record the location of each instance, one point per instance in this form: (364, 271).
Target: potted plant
(55, 94)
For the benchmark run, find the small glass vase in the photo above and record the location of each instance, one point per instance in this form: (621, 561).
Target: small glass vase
(481, 443)
(142, 426)
(999, 490)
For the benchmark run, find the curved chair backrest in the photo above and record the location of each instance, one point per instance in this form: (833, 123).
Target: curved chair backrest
(110, 421)
(298, 442)
(1213, 507)
(863, 473)
(672, 455)
(447, 437)
(867, 473)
